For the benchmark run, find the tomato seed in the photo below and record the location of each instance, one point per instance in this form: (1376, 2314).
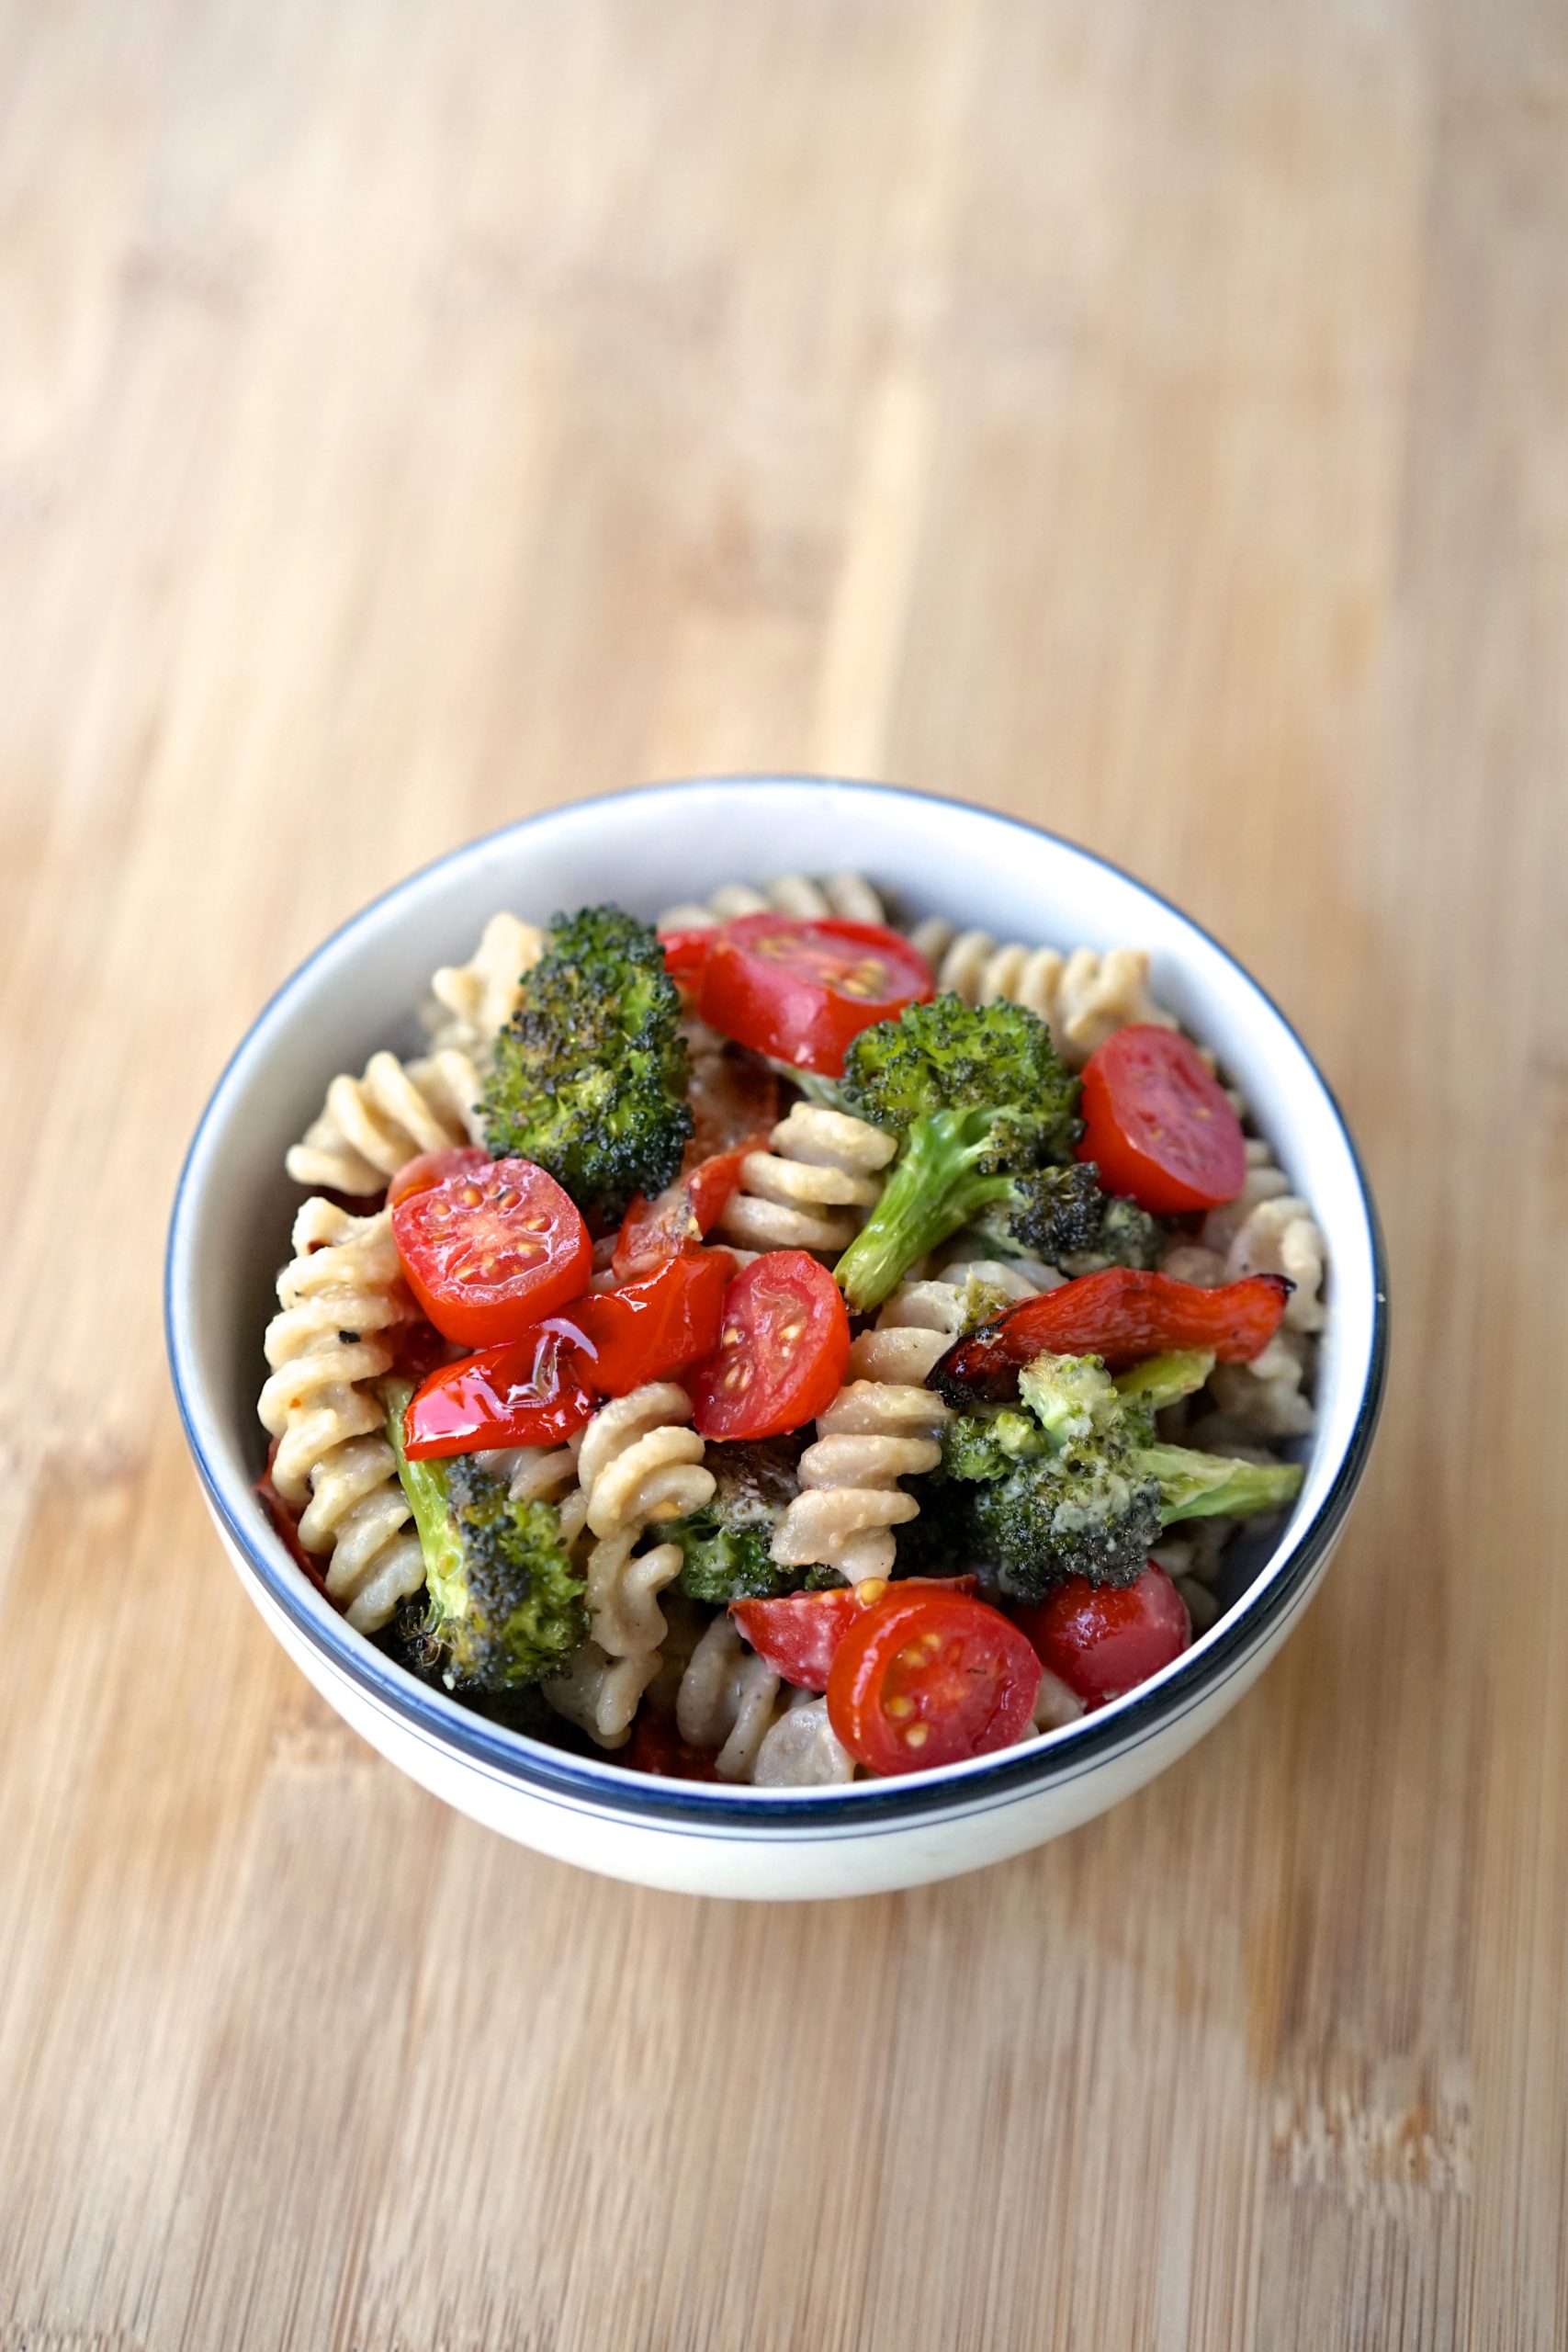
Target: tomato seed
(899, 1708)
(916, 1735)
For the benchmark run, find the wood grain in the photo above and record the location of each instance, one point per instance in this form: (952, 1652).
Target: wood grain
(1146, 418)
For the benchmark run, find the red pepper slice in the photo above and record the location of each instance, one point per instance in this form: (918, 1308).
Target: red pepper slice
(525, 1392)
(1120, 1315)
(651, 1329)
(676, 1222)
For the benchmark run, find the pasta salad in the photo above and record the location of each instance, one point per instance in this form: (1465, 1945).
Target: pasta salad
(774, 1345)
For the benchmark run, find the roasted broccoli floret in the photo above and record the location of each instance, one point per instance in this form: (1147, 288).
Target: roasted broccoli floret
(987, 1114)
(590, 1074)
(1060, 1214)
(1128, 1236)
(1074, 1482)
(504, 1605)
(726, 1545)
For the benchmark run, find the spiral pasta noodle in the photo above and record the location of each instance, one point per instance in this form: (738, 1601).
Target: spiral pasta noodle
(811, 1188)
(637, 1463)
(474, 1001)
(848, 898)
(725, 1700)
(338, 1297)
(1083, 997)
(884, 1424)
(801, 1749)
(1266, 1229)
(373, 1126)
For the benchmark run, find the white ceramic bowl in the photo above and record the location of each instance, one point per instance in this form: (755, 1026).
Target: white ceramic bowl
(648, 849)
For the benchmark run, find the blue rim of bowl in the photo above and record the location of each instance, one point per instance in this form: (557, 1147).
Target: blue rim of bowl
(557, 1773)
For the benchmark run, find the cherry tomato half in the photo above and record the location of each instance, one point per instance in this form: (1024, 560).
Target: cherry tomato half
(930, 1679)
(1105, 1639)
(1120, 1315)
(1158, 1125)
(783, 1347)
(489, 1250)
(685, 952)
(526, 1392)
(432, 1168)
(649, 1330)
(799, 1633)
(802, 992)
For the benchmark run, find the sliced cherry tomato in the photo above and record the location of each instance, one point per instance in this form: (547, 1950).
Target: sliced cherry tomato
(286, 1521)
(675, 1223)
(528, 1392)
(490, 1249)
(799, 1633)
(433, 1168)
(1105, 1639)
(649, 1330)
(1158, 1125)
(1119, 1315)
(685, 952)
(802, 992)
(657, 1748)
(927, 1678)
(783, 1347)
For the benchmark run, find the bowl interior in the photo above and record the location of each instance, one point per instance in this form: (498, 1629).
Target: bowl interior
(647, 849)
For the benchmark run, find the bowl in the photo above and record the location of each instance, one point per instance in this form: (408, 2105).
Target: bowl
(648, 849)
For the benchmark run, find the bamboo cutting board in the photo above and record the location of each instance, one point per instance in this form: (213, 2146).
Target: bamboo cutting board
(1147, 419)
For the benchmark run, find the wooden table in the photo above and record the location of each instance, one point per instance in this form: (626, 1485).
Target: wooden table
(1147, 418)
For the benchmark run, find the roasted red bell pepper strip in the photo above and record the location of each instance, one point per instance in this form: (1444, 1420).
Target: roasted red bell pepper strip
(1120, 1315)
(525, 1392)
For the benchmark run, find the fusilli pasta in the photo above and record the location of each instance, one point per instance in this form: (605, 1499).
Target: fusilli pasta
(474, 1001)
(373, 1126)
(637, 1463)
(725, 1700)
(848, 897)
(339, 1296)
(1084, 997)
(811, 1190)
(882, 1425)
(1268, 1229)
(802, 1751)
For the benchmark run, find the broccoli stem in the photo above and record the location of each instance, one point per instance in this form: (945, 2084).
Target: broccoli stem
(937, 1186)
(1211, 1485)
(1164, 1380)
(424, 1485)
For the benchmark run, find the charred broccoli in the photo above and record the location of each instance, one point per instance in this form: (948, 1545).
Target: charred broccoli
(1079, 1484)
(1066, 1219)
(726, 1545)
(987, 1114)
(590, 1074)
(504, 1604)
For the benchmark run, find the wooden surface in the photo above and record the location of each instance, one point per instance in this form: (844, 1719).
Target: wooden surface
(1152, 418)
